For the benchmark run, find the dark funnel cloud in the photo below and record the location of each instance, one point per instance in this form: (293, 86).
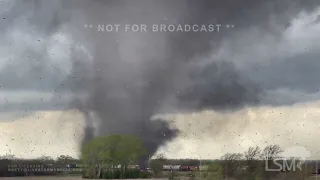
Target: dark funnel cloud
(134, 75)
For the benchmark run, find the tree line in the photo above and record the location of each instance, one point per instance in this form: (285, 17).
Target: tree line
(110, 157)
(254, 164)
(11, 166)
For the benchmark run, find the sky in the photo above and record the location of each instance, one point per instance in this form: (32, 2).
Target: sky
(267, 66)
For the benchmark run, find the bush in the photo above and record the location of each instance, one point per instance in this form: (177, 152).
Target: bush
(115, 174)
(214, 171)
(132, 173)
(144, 175)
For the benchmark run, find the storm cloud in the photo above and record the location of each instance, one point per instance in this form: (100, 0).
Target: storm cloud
(119, 81)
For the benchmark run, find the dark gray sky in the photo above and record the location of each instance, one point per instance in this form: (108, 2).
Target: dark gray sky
(48, 58)
(36, 41)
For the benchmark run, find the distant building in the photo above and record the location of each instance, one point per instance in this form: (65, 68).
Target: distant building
(171, 167)
(167, 167)
(133, 167)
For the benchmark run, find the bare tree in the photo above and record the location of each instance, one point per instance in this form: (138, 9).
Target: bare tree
(271, 152)
(157, 164)
(252, 156)
(8, 156)
(253, 153)
(232, 157)
(231, 163)
(46, 160)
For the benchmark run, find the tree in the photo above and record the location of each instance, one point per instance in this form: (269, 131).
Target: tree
(46, 159)
(252, 156)
(109, 152)
(8, 156)
(157, 164)
(231, 163)
(271, 152)
(214, 171)
(232, 156)
(253, 153)
(65, 159)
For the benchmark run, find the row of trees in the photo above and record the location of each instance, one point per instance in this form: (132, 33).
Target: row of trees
(253, 163)
(110, 156)
(250, 165)
(47, 159)
(8, 162)
(101, 158)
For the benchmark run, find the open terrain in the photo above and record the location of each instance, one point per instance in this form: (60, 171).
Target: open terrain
(51, 178)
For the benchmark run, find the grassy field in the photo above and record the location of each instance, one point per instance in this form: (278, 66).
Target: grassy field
(43, 177)
(182, 177)
(72, 178)
(51, 178)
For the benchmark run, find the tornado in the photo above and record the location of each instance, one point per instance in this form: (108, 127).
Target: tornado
(121, 80)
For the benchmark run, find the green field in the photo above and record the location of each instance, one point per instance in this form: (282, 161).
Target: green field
(79, 178)
(50, 178)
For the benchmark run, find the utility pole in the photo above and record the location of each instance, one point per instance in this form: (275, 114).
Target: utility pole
(317, 172)
(305, 169)
(199, 166)
(316, 169)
